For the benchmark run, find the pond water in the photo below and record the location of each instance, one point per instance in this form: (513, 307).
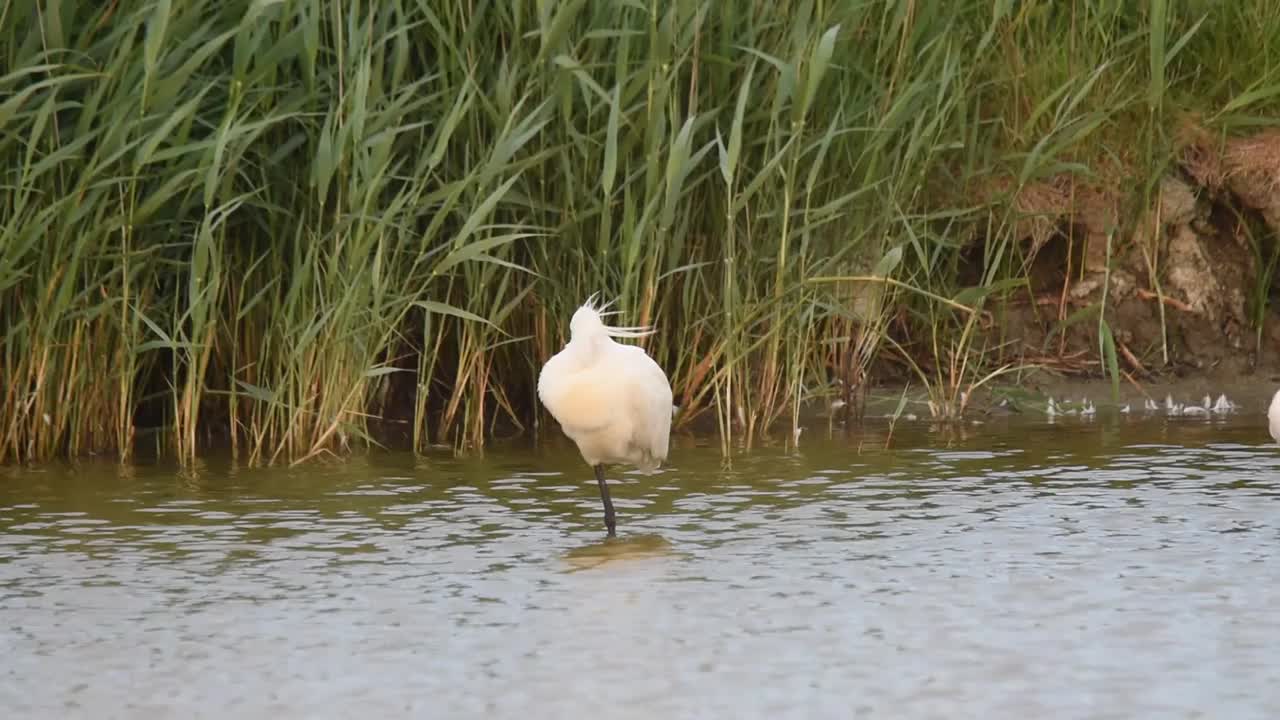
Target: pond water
(1115, 567)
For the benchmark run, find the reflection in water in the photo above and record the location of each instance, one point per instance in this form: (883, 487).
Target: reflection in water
(1115, 569)
(623, 548)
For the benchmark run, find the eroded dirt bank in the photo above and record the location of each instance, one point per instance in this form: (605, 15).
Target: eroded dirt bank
(1187, 275)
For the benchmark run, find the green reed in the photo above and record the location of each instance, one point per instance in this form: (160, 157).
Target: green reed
(288, 225)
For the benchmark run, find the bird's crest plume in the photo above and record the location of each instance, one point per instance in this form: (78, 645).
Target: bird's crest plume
(593, 314)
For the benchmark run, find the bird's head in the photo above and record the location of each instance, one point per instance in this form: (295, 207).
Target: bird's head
(588, 323)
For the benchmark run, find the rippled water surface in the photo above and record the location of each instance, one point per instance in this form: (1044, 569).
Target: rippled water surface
(1111, 569)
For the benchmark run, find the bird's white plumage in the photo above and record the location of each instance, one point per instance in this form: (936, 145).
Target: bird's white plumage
(1273, 417)
(611, 399)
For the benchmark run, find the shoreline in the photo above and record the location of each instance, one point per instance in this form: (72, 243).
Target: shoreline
(1002, 405)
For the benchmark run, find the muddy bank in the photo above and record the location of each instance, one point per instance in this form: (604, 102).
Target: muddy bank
(1184, 269)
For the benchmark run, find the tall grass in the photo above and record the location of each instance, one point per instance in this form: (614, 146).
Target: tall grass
(271, 223)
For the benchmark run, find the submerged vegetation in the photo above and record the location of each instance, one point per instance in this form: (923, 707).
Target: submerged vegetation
(289, 226)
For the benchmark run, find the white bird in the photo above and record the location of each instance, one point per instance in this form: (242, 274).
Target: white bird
(1223, 406)
(1273, 417)
(611, 399)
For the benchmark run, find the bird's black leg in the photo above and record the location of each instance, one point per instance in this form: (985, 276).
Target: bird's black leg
(610, 520)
